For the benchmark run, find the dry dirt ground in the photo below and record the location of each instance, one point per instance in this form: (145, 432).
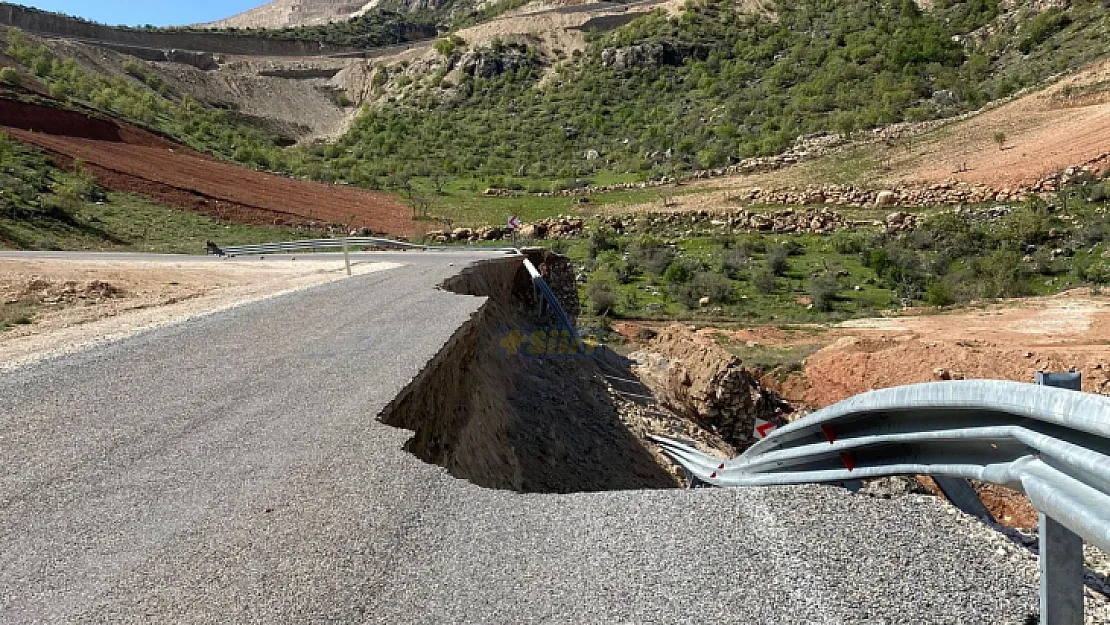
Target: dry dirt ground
(1010, 341)
(126, 158)
(1063, 125)
(76, 303)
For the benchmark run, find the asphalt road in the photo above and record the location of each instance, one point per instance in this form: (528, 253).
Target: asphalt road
(230, 469)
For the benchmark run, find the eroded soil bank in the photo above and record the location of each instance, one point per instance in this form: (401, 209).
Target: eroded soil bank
(492, 411)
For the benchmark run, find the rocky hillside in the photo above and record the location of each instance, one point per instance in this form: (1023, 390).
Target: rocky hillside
(292, 13)
(281, 14)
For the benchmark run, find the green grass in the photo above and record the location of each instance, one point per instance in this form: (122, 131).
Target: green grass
(19, 312)
(463, 203)
(1039, 249)
(646, 296)
(853, 167)
(780, 359)
(134, 224)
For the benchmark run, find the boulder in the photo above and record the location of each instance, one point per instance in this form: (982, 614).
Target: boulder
(886, 198)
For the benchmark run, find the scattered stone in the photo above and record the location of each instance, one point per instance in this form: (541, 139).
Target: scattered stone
(891, 487)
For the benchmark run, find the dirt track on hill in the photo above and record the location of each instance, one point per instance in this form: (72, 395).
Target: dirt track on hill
(126, 158)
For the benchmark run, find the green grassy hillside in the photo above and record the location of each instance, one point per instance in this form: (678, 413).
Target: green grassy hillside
(45, 208)
(715, 85)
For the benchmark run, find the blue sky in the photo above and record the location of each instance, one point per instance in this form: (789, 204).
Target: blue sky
(139, 12)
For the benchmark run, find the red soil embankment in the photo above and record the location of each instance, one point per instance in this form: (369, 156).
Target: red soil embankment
(129, 159)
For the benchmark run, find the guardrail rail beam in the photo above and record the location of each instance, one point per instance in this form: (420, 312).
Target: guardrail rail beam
(1046, 440)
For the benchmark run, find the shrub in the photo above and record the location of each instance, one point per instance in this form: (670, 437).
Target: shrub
(764, 281)
(848, 242)
(776, 260)
(602, 238)
(558, 246)
(1097, 273)
(734, 262)
(650, 253)
(1099, 192)
(1001, 274)
(822, 290)
(704, 284)
(10, 76)
(752, 244)
(938, 293)
(601, 294)
(1041, 27)
(714, 286)
(678, 272)
(447, 45)
(611, 261)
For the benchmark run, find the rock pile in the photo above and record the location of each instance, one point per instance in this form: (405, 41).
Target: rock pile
(814, 221)
(67, 292)
(469, 235)
(697, 379)
(936, 194)
(901, 221)
(1090, 171)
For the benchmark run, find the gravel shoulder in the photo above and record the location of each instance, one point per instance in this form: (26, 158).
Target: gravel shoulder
(142, 295)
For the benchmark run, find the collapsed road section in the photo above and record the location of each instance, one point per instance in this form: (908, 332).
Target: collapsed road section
(495, 410)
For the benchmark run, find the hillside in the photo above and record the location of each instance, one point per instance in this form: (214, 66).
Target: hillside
(291, 13)
(716, 84)
(285, 15)
(550, 98)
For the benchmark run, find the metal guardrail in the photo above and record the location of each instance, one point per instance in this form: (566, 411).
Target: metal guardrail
(1053, 444)
(310, 244)
(552, 301)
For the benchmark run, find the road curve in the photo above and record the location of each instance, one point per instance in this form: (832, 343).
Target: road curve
(231, 469)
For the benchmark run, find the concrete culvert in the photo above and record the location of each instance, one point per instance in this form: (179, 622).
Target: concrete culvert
(492, 411)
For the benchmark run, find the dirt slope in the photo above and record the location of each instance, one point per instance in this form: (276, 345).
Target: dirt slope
(298, 106)
(1064, 125)
(126, 158)
(1047, 131)
(284, 13)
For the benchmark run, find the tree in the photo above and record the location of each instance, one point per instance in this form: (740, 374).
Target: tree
(776, 260)
(439, 179)
(822, 290)
(1000, 139)
(601, 293)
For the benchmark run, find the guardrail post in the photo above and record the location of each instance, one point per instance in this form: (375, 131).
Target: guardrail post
(1061, 550)
(1061, 562)
(961, 494)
